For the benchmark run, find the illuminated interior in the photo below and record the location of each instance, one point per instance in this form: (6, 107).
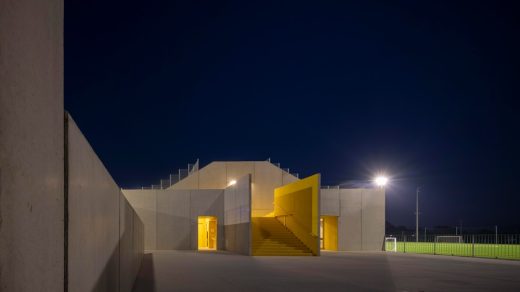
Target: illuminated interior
(207, 233)
(329, 232)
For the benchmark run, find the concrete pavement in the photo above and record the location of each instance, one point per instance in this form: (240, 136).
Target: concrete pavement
(333, 271)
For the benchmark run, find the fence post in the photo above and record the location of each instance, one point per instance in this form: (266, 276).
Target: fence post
(434, 245)
(473, 245)
(404, 249)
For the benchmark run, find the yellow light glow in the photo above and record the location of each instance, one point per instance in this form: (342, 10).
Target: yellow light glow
(207, 233)
(232, 182)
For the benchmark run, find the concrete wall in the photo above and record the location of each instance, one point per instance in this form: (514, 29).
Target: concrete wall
(173, 220)
(265, 178)
(373, 219)
(131, 244)
(361, 217)
(329, 202)
(104, 254)
(237, 216)
(349, 223)
(170, 216)
(31, 146)
(144, 203)
(55, 235)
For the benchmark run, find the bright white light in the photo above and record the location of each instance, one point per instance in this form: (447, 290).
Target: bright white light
(381, 181)
(232, 182)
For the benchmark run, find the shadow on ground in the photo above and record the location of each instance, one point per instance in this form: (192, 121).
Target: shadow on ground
(146, 278)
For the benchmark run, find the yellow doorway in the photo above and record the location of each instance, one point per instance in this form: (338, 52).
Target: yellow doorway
(329, 232)
(207, 233)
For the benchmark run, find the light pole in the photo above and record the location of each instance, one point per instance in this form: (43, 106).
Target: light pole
(417, 214)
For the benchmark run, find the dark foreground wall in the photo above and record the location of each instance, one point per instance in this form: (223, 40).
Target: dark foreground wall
(45, 243)
(105, 235)
(31, 146)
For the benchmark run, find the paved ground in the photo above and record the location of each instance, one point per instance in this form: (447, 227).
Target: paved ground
(342, 271)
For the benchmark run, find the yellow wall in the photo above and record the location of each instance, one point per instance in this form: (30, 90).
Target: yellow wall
(297, 205)
(330, 236)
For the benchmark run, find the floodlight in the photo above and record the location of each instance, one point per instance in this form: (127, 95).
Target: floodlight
(381, 181)
(232, 182)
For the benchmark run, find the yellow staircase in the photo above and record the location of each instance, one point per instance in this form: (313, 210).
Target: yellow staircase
(271, 238)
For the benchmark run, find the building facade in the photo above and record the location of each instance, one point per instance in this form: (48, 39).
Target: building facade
(258, 208)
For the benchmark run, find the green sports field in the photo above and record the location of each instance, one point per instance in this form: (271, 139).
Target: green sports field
(500, 251)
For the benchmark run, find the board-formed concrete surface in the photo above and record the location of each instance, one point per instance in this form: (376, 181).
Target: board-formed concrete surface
(93, 226)
(237, 216)
(31, 145)
(104, 254)
(333, 271)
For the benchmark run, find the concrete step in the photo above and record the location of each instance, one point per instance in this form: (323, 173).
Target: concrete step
(278, 246)
(279, 242)
(280, 254)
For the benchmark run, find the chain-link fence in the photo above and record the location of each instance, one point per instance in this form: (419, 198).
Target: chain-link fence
(500, 246)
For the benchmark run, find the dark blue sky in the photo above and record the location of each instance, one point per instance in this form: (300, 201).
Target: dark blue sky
(425, 91)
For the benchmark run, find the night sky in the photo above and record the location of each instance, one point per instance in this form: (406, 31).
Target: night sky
(422, 91)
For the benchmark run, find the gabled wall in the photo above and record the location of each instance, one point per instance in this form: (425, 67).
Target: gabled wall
(265, 178)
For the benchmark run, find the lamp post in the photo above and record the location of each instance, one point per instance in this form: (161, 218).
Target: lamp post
(417, 214)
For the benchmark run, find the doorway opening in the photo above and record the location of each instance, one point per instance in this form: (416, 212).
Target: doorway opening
(329, 232)
(207, 232)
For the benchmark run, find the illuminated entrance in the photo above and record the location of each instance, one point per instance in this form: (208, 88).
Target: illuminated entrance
(207, 233)
(329, 232)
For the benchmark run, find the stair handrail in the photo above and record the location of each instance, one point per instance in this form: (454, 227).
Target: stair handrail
(291, 214)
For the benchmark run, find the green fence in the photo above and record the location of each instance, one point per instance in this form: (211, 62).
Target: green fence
(500, 246)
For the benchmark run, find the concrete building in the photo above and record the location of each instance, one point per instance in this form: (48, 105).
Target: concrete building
(65, 225)
(258, 208)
